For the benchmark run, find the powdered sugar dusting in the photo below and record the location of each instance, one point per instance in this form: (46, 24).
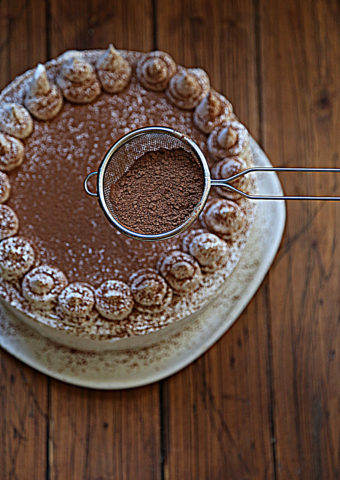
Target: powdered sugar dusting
(9, 222)
(76, 237)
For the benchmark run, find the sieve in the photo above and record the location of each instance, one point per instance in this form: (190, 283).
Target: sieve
(122, 155)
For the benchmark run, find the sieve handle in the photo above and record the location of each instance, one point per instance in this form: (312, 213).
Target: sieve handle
(87, 190)
(225, 182)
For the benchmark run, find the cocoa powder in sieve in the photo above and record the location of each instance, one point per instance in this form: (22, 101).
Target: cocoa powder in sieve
(159, 191)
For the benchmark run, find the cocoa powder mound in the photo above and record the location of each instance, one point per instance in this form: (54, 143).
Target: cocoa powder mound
(159, 191)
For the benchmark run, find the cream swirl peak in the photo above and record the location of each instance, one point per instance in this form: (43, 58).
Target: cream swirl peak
(188, 87)
(17, 256)
(208, 249)
(78, 81)
(228, 167)
(180, 270)
(5, 187)
(213, 109)
(113, 70)
(15, 120)
(228, 139)
(114, 300)
(9, 222)
(77, 300)
(43, 100)
(150, 291)
(223, 218)
(11, 152)
(42, 285)
(155, 69)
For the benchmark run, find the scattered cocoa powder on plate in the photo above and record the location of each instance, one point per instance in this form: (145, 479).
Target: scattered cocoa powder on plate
(159, 191)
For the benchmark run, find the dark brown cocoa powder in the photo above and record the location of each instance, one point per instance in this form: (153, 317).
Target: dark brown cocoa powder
(159, 192)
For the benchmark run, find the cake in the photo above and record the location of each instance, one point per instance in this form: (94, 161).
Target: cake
(64, 270)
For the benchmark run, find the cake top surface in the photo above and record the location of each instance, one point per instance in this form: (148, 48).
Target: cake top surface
(68, 140)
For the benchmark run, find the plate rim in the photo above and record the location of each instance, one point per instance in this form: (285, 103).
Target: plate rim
(110, 384)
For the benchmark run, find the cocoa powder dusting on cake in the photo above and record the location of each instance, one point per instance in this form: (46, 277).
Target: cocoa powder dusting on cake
(86, 245)
(158, 192)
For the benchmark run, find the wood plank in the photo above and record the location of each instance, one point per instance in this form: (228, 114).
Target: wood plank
(217, 412)
(300, 49)
(22, 37)
(97, 23)
(23, 420)
(24, 395)
(103, 434)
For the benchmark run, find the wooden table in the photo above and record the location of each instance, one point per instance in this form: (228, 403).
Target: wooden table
(264, 402)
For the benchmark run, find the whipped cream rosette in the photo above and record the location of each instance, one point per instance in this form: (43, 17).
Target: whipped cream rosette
(188, 87)
(78, 81)
(229, 139)
(15, 120)
(155, 69)
(224, 217)
(208, 249)
(150, 291)
(228, 167)
(180, 270)
(114, 72)
(42, 285)
(114, 300)
(212, 110)
(77, 301)
(9, 222)
(11, 152)
(5, 187)
(43, 99)
(17, 256)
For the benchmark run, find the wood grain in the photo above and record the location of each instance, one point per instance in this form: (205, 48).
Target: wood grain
(24, 395)
(217, 412)
(22, 37)
(264, 402)
(103, 435)
(96, 23)
(300, 51)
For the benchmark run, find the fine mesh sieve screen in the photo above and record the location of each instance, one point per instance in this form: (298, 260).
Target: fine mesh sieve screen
(126, 155)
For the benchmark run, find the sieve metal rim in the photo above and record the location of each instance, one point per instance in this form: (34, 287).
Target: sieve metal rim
(122, 141)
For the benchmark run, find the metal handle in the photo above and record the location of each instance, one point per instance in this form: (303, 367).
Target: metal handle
(226, 183)
(87, 190)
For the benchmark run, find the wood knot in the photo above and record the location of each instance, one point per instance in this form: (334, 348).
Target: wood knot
(324, 102)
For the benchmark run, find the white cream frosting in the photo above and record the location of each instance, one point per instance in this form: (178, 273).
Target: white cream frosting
(78, 81)
(208, 249)
(77, 300)
(180, 270)
(211, 111)
(15, 120)
(155, 69)
(9, 222)
(188, 87)
(113, 70)
(228, 139)
(226, 168)
(17, 256)
(42, 285)
(223, 217)
(150, 291)
(11, 152)
(114, 300)
(43, 100)
(5, 187)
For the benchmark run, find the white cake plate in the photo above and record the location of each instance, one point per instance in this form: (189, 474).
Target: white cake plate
(126, 369)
